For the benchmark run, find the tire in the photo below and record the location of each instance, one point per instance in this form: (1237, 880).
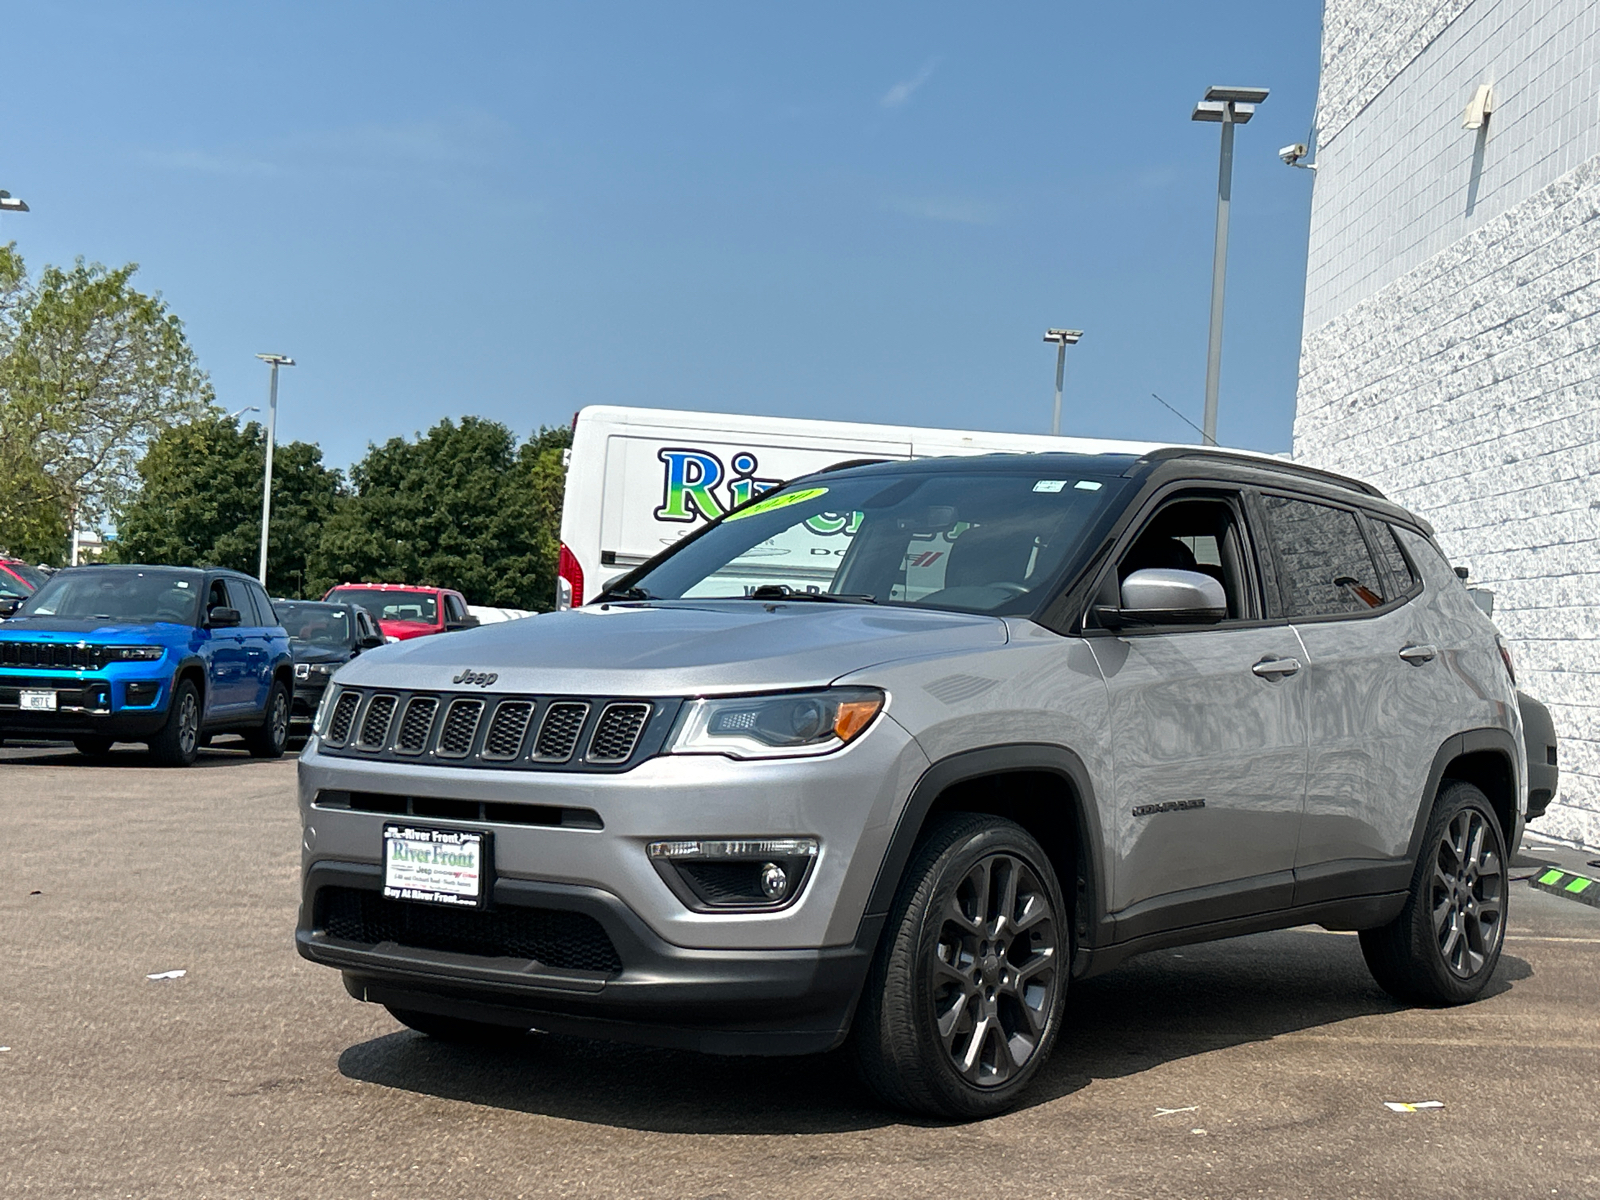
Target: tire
(92, 747)
(454, 1029)
(268, 739)
(178, 741)
(1443, 947)
(954, 945)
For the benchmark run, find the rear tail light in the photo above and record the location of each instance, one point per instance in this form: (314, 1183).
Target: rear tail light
(1505, 657)
(569, 580)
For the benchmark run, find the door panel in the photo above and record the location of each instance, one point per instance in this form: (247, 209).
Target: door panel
(1192, 722)
(228, 663)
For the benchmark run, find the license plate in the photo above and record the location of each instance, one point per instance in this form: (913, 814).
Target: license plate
(435, 866)
(38, 702)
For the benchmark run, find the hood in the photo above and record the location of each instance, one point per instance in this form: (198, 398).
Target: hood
(81, 627)
(676, 648)
(319, 654)
(406, 629)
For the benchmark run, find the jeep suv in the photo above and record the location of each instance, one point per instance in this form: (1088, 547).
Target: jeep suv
(895, 754)
(162, 655)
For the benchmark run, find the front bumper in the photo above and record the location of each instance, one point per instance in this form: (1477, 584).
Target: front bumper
(87, 704)
(715, 1001)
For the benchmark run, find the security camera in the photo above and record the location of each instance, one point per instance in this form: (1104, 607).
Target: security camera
(1292, 155)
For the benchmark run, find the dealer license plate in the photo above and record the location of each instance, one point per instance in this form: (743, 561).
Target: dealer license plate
(435, 866)
(38, 702)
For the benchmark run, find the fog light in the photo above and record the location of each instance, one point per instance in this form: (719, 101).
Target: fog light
(774, 881)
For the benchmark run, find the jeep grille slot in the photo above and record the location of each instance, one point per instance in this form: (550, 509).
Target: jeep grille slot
(460, 728)
(414, 726)
(344, 716)
(617, 732)
(558, 733)
(503, 742)
(49, 655)
(375, 726)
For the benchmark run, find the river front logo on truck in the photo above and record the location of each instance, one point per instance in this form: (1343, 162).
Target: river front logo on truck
(691, 479)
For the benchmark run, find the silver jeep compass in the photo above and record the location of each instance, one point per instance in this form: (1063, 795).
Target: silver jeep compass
(892, 754)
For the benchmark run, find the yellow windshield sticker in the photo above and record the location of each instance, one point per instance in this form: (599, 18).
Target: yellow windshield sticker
(783, 501)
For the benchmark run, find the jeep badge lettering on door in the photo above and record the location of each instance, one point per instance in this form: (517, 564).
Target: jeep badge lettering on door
(481, 678)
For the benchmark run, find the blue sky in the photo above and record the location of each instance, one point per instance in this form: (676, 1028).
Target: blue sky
(851, 211)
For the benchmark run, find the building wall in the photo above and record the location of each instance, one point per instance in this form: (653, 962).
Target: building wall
(1452, 346)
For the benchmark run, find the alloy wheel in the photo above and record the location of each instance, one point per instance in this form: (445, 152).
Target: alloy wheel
(188, 723)
(1468, 894)
(994, 970)
(280, 718)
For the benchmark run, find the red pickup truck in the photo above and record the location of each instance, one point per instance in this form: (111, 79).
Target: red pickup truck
(403, 611)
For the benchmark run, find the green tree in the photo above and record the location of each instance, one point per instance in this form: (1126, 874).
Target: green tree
(199, 502)
(91, 370)
(461, 507)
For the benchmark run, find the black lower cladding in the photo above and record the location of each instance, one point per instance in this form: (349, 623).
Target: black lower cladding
(568, 941)
(454, 962)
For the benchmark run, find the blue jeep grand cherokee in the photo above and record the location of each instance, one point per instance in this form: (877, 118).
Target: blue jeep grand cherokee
(161, 655)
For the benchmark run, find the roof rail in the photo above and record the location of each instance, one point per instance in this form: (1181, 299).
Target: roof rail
(1252, 460)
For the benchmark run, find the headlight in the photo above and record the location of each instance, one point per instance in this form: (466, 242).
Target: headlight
(319, 723)
(775, 726)
(111, 654)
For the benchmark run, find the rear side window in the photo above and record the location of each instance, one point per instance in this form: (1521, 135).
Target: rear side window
(1326, 567)
(264, 609)
(1402, 579)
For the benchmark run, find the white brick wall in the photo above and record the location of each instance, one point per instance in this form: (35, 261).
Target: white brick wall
(1453, 357)
(1395, 179)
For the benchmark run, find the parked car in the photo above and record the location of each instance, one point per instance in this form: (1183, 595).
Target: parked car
(322, 638)
(404, 612)
(161, 655)
(899, 752)
(18, 581)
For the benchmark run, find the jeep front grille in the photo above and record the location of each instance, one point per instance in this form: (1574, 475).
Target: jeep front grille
(617, 732)
(554, 733)
(460, 728)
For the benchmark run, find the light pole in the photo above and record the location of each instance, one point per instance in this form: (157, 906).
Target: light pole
(1231, 106)
(1062, 338)
(277, 360)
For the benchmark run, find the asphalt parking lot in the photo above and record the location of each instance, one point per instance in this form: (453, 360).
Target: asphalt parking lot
(1258, 1067)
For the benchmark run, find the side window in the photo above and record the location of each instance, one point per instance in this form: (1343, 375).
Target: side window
(267, 615)
(244, 601)
(454, 610)
(1402, 579)
(217, 597)
(1326, 567)
(1195, 535)
(365, 626)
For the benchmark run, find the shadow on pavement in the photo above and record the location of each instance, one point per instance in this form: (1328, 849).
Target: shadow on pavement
(122, 755)
(1164, 1006)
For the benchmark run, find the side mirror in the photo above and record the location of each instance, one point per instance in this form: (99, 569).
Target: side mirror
(1164, 596)
(465, 623)
(9, 606)
(372, 641)
(223, 618)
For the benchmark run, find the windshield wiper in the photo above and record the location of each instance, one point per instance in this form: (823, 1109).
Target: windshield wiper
(782, 591)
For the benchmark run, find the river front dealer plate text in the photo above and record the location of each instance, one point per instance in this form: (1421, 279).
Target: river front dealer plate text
(435, 866)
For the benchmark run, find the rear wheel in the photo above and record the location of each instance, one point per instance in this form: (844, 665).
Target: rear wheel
(965, 997)
(454, 1029)
(1444, 945)
(269, 738)
(178, 741)
(93, 747)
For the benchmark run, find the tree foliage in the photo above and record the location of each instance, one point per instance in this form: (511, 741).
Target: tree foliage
(461, 507)
(91, 370)
(199, 502)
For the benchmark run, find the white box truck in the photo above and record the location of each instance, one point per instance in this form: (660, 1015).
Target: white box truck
(638, 479)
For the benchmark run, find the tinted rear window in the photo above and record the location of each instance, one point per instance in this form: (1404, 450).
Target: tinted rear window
(1327, 569)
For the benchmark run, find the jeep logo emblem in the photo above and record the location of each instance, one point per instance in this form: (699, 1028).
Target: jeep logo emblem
(481, 678)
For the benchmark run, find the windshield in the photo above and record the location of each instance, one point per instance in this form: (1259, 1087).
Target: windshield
(393, 606)
(31, 576)
(140, 596)
(315, 624)
(973, 540)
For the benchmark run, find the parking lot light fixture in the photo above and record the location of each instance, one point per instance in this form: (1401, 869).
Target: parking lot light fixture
(276, 361)
(1062, 338)
(1227, 106)
(9, 203)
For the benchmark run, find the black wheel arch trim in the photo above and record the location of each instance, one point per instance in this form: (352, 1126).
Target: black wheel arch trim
(1092, 927)
(1472, 741)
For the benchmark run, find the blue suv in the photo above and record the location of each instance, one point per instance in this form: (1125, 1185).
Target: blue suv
(161, 655)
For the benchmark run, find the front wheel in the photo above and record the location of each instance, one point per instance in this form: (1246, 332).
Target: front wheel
(269, 738)
(964, 999)
(178, 741)
(1444, 945)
